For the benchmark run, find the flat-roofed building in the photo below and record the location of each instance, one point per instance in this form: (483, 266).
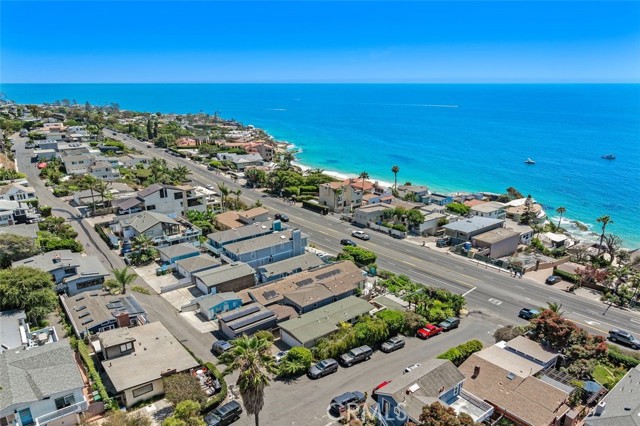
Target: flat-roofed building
(284, 268)
(232, 277)
(246, 320)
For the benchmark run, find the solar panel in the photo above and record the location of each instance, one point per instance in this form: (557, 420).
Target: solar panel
(87, 321)
(304, 282)
(270, 294)
(79, 298)
(243, 322)
(86, 314)
(80, 308)
(329, 274)
(235, 314)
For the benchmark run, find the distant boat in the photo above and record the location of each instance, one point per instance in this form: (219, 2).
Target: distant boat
(529, 161)
(609, 157)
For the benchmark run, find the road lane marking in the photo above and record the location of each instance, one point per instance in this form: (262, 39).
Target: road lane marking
(554, 298)
(636, 321)
(464, 294)
(495, 301)
(519, 286)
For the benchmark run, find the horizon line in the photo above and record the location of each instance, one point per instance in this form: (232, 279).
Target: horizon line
(329, 82)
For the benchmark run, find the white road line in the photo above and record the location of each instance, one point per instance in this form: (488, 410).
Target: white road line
(518, 286)
(464, 294)
(554, 298)
(636, 321)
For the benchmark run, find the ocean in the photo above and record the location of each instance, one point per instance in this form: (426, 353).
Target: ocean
(458, 137)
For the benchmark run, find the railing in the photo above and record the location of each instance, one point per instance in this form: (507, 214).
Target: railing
(75, 408)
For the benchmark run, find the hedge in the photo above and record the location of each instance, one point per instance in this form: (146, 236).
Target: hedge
(315, 207)
(104, 237)
(109, 404)
(567, 276)
(460, 353)
(619, 358)
(221, 396)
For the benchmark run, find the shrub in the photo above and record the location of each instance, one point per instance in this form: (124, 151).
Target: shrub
(360, 255)
(395, 320)
(399, 227)
(265, 334)
(95, 377)
(182, 387)
(460, 353)
(566, 275)
(508, 332)
(412, 322)
(458, 208)
(220, 396)
(622, 357)
(45, 211)
(296, 362)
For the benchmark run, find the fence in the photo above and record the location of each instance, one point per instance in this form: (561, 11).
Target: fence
(183, 283)
(386, 230)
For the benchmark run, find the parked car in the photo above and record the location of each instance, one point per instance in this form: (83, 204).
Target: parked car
(449, 324)
(377, 388)
(528, 313)
(360, 234)
(553, 279)
(411, 367)
(356, 355)
(429, 330)
(282, 217)
(392, 344)
(149, 145)
(347, 242)
(224, 415)
(624, 338)
(220, 347)
(343, 401)
(323, 368)
(280, 356)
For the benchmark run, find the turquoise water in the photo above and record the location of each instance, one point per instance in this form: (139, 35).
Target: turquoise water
(449, 137)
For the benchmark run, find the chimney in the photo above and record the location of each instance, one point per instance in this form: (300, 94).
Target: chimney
(123, 320)
(600, 408)
(476, 371)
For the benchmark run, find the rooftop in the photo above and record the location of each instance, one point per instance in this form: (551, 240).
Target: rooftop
(241, 232)
(224, 274)
(261, 242)
(241, 319)
(472, 224)
(321, 322)
(178, 250)
(496, 235)
(85, 265)
(622, 405)
(10, 322)
(146, 220)
(29, 230)
(156, 351)
(253, 213)
(208, 301)
(524, 345)
(197, 263)
(29, 376)
(303, 262)
(488, 207)
(517, 364)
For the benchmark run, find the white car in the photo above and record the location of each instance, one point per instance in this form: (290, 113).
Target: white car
(280, 356)
(411, 367)
(360, 234)
(209, 186)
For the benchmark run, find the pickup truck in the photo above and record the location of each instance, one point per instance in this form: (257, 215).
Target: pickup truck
(356, 355)
(624, 338)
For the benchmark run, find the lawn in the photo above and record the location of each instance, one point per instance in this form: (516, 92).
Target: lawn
(607, 376)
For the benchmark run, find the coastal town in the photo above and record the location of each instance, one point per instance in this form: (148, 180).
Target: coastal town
(184, 269)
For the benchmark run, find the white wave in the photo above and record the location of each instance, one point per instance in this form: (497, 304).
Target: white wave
(276, 109)
(423, 105)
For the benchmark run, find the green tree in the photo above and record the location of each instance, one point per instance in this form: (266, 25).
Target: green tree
(361, 256)
(251, 358)
(395, 170)
(296, 362)
(186, 413)
(224, 193)
(561, 211)
(363, 176)
(415, 218)
(437, 414)
(395, 320)
(15, 247)
(604, 221)
(149, 130)
(122, 418)
(91, 182)
(458, 208)
(29, 289)
(124, 277)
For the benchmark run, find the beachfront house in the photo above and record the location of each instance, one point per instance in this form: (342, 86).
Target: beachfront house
(438, 199)
(415, 192)
(496, 243)
(345, 196)
(233, 219)
(463, 230)
(491, 209)
(241, 161)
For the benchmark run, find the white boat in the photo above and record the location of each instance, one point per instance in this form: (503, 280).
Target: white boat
(609, 157)
(529, 161)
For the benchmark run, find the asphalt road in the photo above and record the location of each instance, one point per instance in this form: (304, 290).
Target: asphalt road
(487, 291)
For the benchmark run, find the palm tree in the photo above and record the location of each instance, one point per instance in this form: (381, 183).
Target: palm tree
(124, 277)
(224, 192)
(251, 357)
(560, 211)
(142, 243)
(91, 183)
(363, 176)
(237, 193)
(395, 170)
(180, 173)
(555, 307)
(604, 220)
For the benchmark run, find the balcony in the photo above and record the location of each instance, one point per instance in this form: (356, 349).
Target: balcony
(466, 402)
(78, 407)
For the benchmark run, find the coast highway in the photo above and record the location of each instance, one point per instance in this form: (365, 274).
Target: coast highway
(494, 295)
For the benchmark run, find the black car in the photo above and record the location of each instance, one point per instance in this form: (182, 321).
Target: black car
(224, 415)
(282, 217)
(344, 401)
(347, 242)
(528, 313)
(553, 279)
(449, 324)
(392, 344)
(220, 347)
(624, 338)
(324, 367)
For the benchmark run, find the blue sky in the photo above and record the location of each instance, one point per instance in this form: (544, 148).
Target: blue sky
(314, 41)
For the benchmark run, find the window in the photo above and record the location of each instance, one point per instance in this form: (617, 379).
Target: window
(151, 207)
(385, 407)
(90, 283)
(65, 401)
(126, 347)
(177, 196)
(163, 193)
(142, 390)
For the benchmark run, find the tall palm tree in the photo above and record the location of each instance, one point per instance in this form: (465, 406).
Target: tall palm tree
(180, 173)
(555, 307)
(224, 192)
(560, 211)
(604, 220)
(364, 176)
(124, 277)
(237, 193)
(251, 357)
(395, 170)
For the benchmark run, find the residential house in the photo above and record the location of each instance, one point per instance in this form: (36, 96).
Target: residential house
(284, 268)
(170, 200)
(104, 171)
(186, 142)
(496, 243)
(233, 277)
(136, 359)
(265, 151)
(7, 210)
(77, 163)
(532, 351)
(171, 254)
(438, 199)
(241, 161)
(17, 192)
(417, 192)
(41, 386)
(345, 196)
(432, 219)
(246, 320)
(308, 328)
(312, 289)
(232, 219)
(218, 240)
(525, 231)
(374, 198)
(621, 406)
(370, 213)
(133, 160)
(15, 332)
(115, 191)
(191, 265)
(436, 380)
(491, 209)
(29, 230)
(267, 248)
(526, 401)
(211, 305)
(463, 230)
(66, 148)
(516, 209)
(72, 273)
(91, 313)
(162, 229)
(44, 154)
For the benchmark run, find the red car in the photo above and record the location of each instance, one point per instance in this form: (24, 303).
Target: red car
(380, 386)
(429, 330)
